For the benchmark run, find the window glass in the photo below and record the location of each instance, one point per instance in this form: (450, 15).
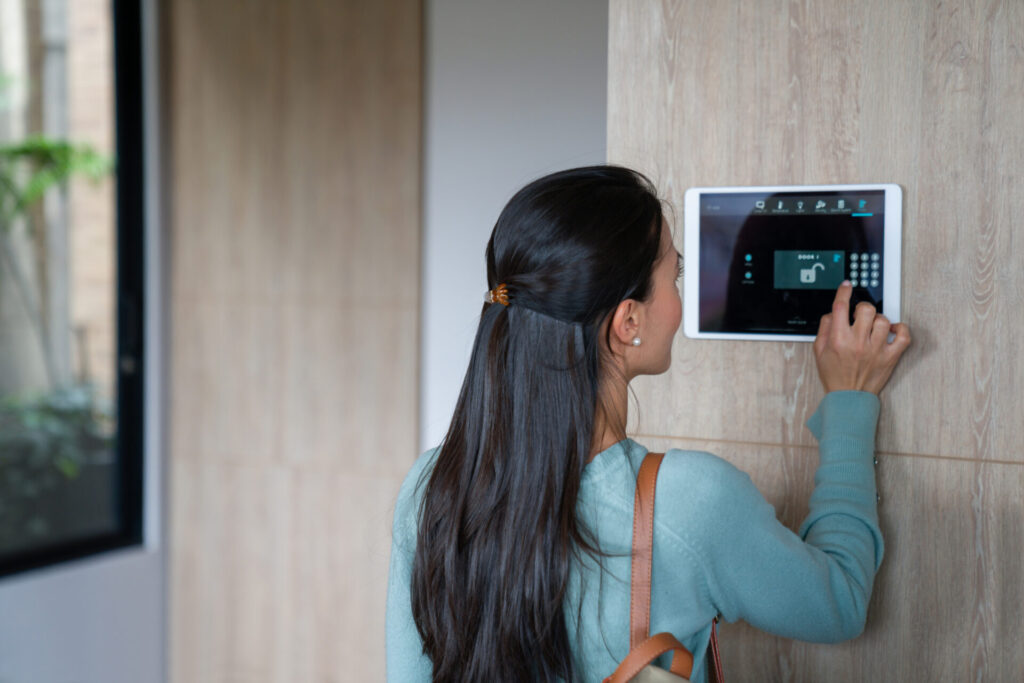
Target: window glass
(61, 452)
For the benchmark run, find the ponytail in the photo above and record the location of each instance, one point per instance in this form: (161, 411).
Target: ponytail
(498, 528)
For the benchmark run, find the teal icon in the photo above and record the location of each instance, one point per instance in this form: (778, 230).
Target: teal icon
(747, 258)
(810, 275)
(811, 269)
(747, 275)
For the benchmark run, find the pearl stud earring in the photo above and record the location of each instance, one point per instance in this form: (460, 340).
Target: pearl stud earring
(636, 341)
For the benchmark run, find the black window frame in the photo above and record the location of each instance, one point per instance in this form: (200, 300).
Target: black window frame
(129, 131)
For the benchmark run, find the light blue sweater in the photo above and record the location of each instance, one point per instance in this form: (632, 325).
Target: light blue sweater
(718, 549)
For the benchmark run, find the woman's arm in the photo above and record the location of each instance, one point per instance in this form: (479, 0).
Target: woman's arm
(814, 586)
(817, 586)
(405, 658)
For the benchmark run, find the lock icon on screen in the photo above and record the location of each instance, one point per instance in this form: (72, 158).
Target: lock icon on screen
(809, 276)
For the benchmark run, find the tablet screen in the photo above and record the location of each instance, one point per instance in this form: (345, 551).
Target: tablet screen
(771, 263)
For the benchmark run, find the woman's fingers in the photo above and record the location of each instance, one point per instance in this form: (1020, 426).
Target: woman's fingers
(824, 327)
(858, 357)
(901, 339)
(841, 307)
(863, 317)
(880, 331)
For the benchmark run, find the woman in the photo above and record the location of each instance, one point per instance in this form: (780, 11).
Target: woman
(510, 556)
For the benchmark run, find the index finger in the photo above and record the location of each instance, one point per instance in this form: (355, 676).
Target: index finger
(841, 305)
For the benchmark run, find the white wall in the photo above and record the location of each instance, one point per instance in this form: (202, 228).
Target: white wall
(101, 619)
(514, 90)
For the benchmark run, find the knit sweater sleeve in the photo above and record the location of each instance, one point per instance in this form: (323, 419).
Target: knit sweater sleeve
(405, 659)
(814, 585)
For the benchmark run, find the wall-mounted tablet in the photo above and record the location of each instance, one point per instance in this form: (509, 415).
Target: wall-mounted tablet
(765, 262)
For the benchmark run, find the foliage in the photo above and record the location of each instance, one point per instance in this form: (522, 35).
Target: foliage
(45, 441)
(32, 166)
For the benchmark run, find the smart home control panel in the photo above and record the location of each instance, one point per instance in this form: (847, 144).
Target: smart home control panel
(765, 262)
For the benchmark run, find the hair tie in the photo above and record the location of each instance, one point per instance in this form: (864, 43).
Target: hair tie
(497, 295)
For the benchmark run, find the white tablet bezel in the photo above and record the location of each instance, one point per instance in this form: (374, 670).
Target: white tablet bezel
(891, 261)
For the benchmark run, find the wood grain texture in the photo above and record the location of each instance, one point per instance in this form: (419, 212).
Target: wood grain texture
(924, 94)
(947, 599)
(293, 152)
(279, 572)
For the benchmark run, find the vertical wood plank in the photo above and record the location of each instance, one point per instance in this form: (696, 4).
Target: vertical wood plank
(947, 598)
(294, 164)
(924, 94)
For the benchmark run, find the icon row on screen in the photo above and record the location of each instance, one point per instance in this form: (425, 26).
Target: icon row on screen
(801, 204)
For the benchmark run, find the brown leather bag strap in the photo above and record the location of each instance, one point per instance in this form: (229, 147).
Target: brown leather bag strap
(647, 651)
(643, 550)
(714, 661)
(640, 583)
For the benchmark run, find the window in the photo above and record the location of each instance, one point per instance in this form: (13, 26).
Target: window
(71, 280)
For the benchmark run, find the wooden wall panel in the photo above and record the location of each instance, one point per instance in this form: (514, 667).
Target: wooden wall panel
(299, 601)
(924, 94)
(951, 601)
(293, 147)
(755, 93)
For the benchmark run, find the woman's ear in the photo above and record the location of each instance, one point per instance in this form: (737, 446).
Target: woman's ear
(626, 321)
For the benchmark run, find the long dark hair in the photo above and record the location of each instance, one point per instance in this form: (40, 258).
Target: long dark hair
(498, 527)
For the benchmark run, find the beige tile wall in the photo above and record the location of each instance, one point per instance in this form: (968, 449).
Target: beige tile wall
(925, 94)
(293, 146)
(91, 211)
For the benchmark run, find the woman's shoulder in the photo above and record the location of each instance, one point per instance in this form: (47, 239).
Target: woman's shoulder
(696, 485)
(682, 468)
(698, 474)
(699, 469)
(411, 492)
(416, 477)
(706, 505)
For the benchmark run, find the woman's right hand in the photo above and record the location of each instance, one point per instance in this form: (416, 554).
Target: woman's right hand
(860, 356)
